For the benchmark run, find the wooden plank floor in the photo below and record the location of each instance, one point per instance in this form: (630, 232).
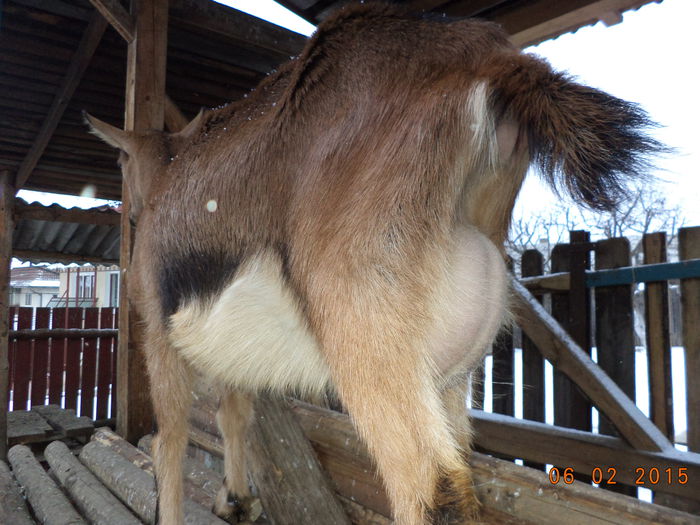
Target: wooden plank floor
(46, 423)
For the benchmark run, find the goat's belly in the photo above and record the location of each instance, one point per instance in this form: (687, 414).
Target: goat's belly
(251, 336)
(469, 302)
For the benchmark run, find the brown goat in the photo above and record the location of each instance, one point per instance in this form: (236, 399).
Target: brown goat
(342, 228)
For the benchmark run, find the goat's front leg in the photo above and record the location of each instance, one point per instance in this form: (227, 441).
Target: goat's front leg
(234, 499)
(171, 393)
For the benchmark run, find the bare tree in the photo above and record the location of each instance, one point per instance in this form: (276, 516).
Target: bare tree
(645, 210)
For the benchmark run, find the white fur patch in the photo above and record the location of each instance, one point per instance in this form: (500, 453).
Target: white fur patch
(252, 336)
(482, 125)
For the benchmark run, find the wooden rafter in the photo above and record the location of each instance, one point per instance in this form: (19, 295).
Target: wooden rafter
(552, 19)
(123, 22)
(558, 347)
(81, 59)
(116, 15)
(231, 23)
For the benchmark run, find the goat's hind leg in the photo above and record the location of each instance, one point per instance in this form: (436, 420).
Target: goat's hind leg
(454, 398)
(389, 389)
(234, 417)
(171, 393)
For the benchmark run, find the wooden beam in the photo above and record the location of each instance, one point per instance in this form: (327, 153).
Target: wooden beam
(554, 282)
(7, 202)
(79, 63)
(63, 333)
(250, 31)
(124, 23)
(541, 20)
(507, 491)
(116, 15)
(584, 451)
(556, 345)
(277, 447)
(55, 213)
(145, 109)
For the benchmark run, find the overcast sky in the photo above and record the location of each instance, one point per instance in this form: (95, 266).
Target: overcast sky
(649, 58)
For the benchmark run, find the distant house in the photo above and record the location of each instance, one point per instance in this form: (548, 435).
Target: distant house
(33, 286)
(88, 286)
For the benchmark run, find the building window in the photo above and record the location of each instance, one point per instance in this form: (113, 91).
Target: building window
(85, 286)
(114, 289)
(28, 299)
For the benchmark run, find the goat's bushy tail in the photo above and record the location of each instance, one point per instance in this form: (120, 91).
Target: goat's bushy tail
(581, 137)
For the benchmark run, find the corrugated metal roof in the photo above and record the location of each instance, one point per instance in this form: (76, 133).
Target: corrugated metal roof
(215, 55)
(33, 277)
(39, 238)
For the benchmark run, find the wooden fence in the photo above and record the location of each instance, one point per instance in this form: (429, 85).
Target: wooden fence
(63, 356)
(590, 293)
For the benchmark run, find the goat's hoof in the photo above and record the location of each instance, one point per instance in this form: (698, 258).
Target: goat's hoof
(456, 502)
(237, 510)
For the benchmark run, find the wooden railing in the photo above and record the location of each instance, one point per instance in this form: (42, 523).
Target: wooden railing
(591, 308)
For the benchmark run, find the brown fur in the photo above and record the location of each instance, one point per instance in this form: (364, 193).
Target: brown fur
(353, 176)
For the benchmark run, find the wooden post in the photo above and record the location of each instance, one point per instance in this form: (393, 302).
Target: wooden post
(533, 363)
(689, 248)
(615, 331)
(7, 194)
(571, 408)
(615, 323)
(658, 338)
(502, 378)
(145, 109)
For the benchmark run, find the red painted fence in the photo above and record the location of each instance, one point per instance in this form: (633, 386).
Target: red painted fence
(77, 373)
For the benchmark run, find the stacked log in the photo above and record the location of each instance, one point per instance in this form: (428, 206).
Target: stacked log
(49, 503)
(93, 499)
(135, 486)
(12, 505)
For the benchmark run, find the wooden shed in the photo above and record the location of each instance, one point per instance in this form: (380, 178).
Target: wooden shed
(153, 66)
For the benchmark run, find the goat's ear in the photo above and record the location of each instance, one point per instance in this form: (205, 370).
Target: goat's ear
(113, 136)
(192, 127)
